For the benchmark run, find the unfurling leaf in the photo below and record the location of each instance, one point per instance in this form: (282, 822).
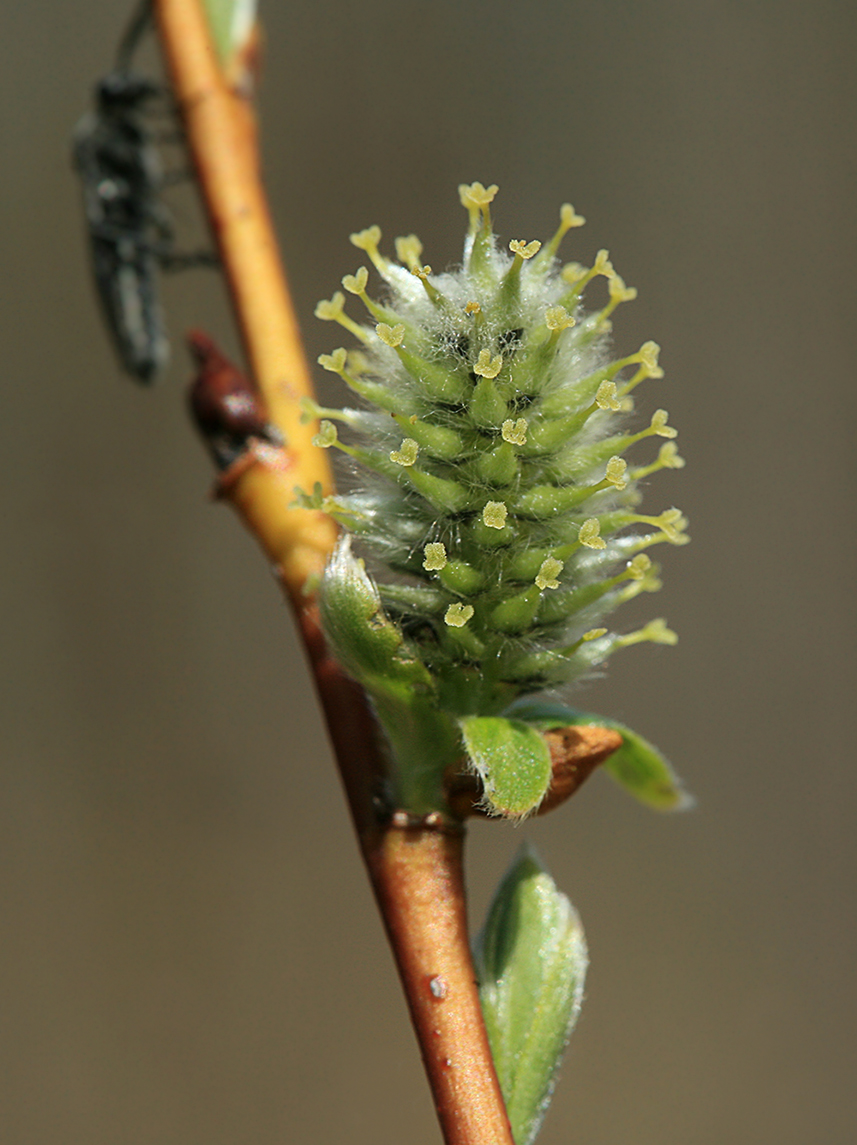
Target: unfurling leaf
(512, 760)
(531, 961)
(637, 765)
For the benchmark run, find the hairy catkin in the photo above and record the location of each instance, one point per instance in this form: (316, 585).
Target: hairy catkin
(495, 497)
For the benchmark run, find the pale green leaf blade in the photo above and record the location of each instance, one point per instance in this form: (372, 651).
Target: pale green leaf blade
(230, 23)
(531, 961)
(512, 760)
(638, 765)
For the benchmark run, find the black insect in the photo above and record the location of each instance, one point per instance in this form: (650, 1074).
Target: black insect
(130, 231)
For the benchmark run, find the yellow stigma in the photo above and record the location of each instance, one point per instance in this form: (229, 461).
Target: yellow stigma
(486, 366)
(668, 456)
(475, 197)
(392, 336)
(326, 435)
(558, 318)
(638, 567)
(573, 272)
(547, 574)
(605, 396)
(615, 474)
(656, 631)
(472, 309)
(603, 265)
(494, 514)
(515, 432)
(435, 557)
(367, 240)
(619, 292)
(356, 283)
(330, 310)
(648, 355)
(458, 614)
(659, 424)
(334, 362)
(589, 534)
(569, 218)
(407, 452)
(408, 250)
(672, 523)
(524, 249)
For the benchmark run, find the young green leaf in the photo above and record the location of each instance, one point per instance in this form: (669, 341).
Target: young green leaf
(231, 23)
(512, 760)
(531, 961)
(637, 765)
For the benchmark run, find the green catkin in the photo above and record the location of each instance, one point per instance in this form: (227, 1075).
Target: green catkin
(492, 471)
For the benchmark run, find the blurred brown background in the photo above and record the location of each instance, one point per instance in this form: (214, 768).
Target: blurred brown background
(190, 954)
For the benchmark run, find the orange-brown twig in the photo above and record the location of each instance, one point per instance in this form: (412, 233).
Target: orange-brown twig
(416, 872)
(221, 133)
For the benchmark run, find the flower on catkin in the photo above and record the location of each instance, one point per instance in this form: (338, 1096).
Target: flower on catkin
(495, 497)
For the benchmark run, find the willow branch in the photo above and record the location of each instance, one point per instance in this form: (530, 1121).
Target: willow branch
(222, 138)
(416, 869)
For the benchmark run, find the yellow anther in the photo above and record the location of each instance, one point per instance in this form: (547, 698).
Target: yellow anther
(330, 310)
(605, 396)
(367, 240)
(475, 197)
(326, 435)
(558, 318)
(486, 366)
(594, 634)
(524, 249)
(334, 362)
(435, 556)
(573, 272)
(659, 424)
(569, 217)
(458, 614)
(668, 456)
(494, 514)
(408, 250)
(603, 265)
(619, 292)
(356, 283)
(407, 452)
(648, 355)
(547, 574)
(392, 336)
(638, 567)
(472, 309)
(616, 472)
(589, 534)
(515, 432)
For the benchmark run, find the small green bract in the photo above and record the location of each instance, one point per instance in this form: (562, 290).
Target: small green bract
(494, 500)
